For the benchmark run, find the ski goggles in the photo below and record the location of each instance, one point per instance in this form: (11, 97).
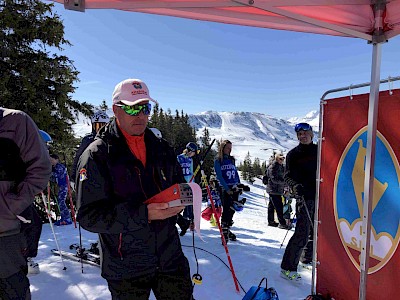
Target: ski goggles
(302, 126)
(134, 110)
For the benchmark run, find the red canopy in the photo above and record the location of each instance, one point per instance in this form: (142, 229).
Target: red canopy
(353, 18)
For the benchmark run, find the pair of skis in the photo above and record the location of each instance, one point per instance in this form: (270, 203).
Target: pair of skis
(90, 257)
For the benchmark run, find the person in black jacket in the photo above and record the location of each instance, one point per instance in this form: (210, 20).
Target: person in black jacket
(275, 189)
(300, 176)
(98, 119)
(126, 165)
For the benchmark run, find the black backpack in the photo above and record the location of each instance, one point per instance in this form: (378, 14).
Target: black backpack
(266, 176)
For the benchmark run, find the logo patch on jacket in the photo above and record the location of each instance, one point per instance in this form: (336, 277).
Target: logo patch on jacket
(82, 174)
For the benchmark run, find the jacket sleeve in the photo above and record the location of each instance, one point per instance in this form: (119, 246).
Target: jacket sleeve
(84, 144)
(34, 154)
(275, 175)
(218, 173)
(98, 209)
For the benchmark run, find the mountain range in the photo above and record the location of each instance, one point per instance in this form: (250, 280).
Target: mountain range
(250, 132)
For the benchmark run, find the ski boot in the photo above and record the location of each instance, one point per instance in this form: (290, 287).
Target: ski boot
(231, 235)
(33, 267)
(213, 221)
(94, 248)
(290, 275)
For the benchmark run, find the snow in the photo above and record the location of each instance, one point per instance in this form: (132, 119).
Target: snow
(256, 254)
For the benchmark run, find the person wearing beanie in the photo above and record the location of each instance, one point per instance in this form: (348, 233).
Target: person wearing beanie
(123, 167)
(300, 176)
(98, 119)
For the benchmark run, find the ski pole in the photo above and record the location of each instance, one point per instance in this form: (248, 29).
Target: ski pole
(80, 245)
(201, 161)
(220, 231)
(287, 231)
(303, 202)
(52, 229)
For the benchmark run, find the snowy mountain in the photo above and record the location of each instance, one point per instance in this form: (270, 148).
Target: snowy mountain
(255, 133)
(311, 118)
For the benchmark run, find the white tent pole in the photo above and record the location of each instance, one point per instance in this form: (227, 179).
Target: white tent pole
(369, 169)
(316, 209)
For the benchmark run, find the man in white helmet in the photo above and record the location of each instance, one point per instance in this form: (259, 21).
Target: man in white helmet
(98, 119)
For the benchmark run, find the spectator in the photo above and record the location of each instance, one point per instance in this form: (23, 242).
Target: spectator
(59, 176)
(98, 119)
(275, 189)
(228, 177)
(24, 172)
(300, 176)
(186, 162)
(126, 165)
(33, 229)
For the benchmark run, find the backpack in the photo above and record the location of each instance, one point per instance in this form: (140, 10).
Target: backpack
(266, 176)
(260, 293)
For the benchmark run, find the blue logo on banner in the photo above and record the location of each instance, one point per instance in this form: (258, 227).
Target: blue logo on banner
(349, 196)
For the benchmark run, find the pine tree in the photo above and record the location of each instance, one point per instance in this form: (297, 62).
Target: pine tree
(263, 167)
(34, 78)
(257, 167)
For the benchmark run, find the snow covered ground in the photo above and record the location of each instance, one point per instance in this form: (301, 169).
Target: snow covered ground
(256, 254)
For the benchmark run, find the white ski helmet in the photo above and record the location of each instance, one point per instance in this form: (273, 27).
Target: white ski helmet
(156, 132)
(100, 117)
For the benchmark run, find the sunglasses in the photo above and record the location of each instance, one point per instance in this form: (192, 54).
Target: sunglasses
(302, 126)
(134, 110)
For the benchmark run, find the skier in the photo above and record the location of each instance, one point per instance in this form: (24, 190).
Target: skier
(275, 189)
(186, 162)
(59, 176)
(98, 119)
(207, 214)
(126, 165)
(300, 176)
(24, 172)
(228, 177)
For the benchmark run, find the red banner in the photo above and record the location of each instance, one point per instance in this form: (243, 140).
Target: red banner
(341, 199)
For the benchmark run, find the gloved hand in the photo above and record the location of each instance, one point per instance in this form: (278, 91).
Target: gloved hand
(235, 188)
(298, 191)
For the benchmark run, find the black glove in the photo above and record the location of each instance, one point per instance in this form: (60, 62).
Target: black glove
(298, 191)
(234, 189)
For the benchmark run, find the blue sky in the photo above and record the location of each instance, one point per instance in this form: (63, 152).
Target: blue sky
(196, 66)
